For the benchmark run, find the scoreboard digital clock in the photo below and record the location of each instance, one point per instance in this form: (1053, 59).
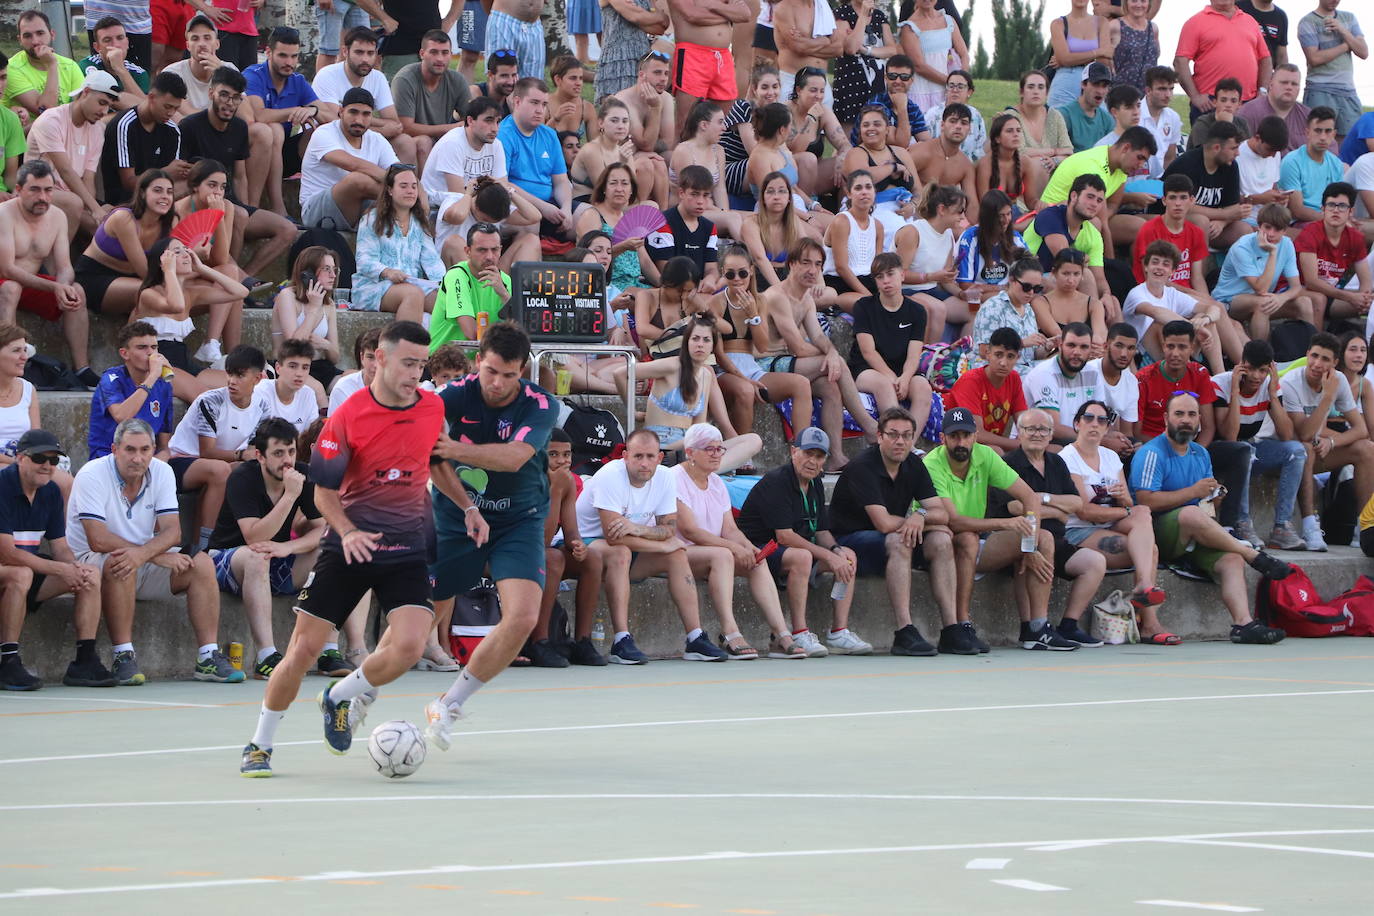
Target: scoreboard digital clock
(560, 302)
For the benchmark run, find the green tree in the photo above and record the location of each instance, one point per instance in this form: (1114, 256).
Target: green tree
(1016, 37)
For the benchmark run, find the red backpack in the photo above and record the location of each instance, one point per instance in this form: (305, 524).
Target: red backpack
(1293, 604)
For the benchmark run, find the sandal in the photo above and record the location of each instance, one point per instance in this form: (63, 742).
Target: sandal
(784, 646)
(738, 648)
(1161, 639)
(1154, 595)
(436, 659)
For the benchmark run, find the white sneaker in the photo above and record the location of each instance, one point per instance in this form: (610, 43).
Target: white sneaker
(1312, 534)
(808, 641)
(441, 718)
(210, 354)
(357, 710)
(847, 642)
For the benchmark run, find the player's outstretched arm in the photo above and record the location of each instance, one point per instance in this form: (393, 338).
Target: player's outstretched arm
(499, 456)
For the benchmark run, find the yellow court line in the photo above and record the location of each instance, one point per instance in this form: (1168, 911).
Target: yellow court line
(1125, 668)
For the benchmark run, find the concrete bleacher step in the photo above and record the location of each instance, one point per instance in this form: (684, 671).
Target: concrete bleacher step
(166, 645)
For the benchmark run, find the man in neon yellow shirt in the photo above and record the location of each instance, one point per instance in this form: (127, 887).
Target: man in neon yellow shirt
(12, 143)
(469, 288)
(1113, 164)
(962, 469)
(40, 78)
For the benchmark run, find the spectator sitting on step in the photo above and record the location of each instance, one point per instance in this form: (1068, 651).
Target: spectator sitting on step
(430, 95)
(487, 200)
(344, 166)
(305, 310)
(32, 85)
(564, 549)
(71, 137)
(534, 158)
(123, 519)
(267, 535)
(138, 388)
(31, 510)
(398, 267)
(112, 268)
(19, 404)
(889, 328)
(993, 392)
(206, 185)
(627, 514)
(787, 506)
(470, 288)
(142, 138)
(288, 396)
(448, 362)
(886, 510)
(1329, 251)
(214, 435)
(1308, 170)
(32, 233)
(200, 42)
(469, 152)
(110, 53)
(1059, 384)
(365, 358)
(359, 69)
(1156, 302)
(1326, 418)
(178, 286)
(1253, 271)
(1171, 475)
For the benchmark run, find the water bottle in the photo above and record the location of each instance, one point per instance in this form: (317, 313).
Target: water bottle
(839, 590)
(599, 635)
(1029, 542)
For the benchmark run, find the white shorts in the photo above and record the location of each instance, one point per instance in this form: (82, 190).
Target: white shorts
(154, 582)
(747, 365)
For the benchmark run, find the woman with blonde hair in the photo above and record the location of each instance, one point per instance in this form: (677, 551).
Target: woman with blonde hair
(398, 267)
(770, 233)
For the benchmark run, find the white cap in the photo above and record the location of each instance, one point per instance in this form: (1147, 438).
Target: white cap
(98, 80)
(701, 435)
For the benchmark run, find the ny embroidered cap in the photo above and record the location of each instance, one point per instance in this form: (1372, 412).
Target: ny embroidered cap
(959, 420)
(38, 442)
(813, 438)
(100, 81)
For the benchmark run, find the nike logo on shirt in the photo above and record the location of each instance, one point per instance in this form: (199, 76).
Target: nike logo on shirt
(907, 325)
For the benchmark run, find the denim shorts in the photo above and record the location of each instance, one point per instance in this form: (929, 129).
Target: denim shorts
(333, 23)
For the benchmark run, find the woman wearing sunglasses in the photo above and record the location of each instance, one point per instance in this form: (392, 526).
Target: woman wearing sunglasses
(398, 267)
(1109, 521)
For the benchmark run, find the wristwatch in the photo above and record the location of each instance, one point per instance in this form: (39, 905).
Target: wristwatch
(1044, 499)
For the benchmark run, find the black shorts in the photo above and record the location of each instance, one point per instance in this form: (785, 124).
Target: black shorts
(95, 278)
(763, 38)
(1063, 553)
(334, 587)
(324, 372)
(180, 465)
(178, 357)
(842, 287)
(293, 152)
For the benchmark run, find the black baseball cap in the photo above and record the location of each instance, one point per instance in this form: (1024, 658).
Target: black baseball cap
(959, 420)
(38, 442)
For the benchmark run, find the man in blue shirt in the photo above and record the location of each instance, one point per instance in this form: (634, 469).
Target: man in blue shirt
(30, 511)
(1307, 170)
(279, 94)
(135, 389)
(1172, 477)
(904, 130)
(534, 157)
(1253, 268)
(1360, 140)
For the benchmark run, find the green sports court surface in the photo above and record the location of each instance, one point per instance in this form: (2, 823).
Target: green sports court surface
(1209, 777)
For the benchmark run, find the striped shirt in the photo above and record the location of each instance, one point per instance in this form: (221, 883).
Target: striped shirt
(29, 522)
(134, 14)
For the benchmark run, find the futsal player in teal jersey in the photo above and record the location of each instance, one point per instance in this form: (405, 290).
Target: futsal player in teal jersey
(498, 432)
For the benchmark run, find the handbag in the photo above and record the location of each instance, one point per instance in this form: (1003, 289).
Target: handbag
(1114, 620)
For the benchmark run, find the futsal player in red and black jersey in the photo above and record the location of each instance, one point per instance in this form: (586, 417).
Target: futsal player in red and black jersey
(498, 434)
(371, 470)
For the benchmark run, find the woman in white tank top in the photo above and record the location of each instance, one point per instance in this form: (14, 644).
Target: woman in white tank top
(19, 401)
(851, 244)
(927, 247)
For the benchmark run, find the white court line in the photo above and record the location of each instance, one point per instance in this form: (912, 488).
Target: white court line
(28, 893)
(1352, 853)
(1187, 904)
(750, 720)
(1056, 846)
(30, 696)
(1026, 884)
(986, 864)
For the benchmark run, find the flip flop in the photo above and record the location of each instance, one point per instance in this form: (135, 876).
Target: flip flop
(1148, 598)
(1161, 639)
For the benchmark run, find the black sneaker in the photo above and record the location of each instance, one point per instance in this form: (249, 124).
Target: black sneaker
(956, 639)
(1270, 566)
(1070, 630)
(909, 641)
(584, 653)
(700, 649)
(544, 655)
(89, 674)
(983, 648)
(564, 647)
(625, 652)
(263, 669)
(14, 676)
(332, 663)
(88, 378)
(1256, 633)
(1046, 638)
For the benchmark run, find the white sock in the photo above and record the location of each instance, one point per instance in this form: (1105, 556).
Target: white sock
(268, 720)
(263, 653)
(619, 635)
(354, 685)
(464, 686)
(123, 647)
(1038, 623)
(206, 650)
(694, 634)
(1310, 521)
(330, 646)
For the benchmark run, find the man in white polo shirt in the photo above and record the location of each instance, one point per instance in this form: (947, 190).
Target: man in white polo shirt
(123, 519)
(1058, 385)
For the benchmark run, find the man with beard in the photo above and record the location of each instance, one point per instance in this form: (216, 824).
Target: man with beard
(357, 70)
(963, 469)
(144, 137)
(1061, 383)
(503, 72)
(703, 67)
(462, 156)
(940, 159)
(219, 133)
(1119, 389)
(32, 232)
(1172, 477)
(344, 166)
(652, 109)
(268, 533)
(432, 97)
(278, 94)
(39, 78)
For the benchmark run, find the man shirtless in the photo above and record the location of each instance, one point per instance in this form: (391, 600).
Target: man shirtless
(652, 110)
(514, 25)
(940, 160)
(32, 231)
(703, 66)
(797, 344)
(799, 45)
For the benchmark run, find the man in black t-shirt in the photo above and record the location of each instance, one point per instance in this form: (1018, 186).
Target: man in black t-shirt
(219, 133)
(788, 506)
(266, 500)
(886, 510)
(686, 232)
(145, 137)
(1217, 206)
(889, 329)
(1047, 475)
(1273, 23)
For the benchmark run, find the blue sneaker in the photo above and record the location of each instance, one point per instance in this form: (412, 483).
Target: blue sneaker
(257, 762)
(338, 729)
(702, 649)
(216, 668)
(625, 652)
(1070, 630)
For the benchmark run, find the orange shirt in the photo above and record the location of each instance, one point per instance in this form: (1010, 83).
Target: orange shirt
(1220, 47)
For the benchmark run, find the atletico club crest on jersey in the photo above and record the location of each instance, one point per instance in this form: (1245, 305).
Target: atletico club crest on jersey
(503, 429)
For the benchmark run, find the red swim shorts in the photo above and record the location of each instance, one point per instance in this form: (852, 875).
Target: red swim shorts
(39, 301)
(706, 73)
